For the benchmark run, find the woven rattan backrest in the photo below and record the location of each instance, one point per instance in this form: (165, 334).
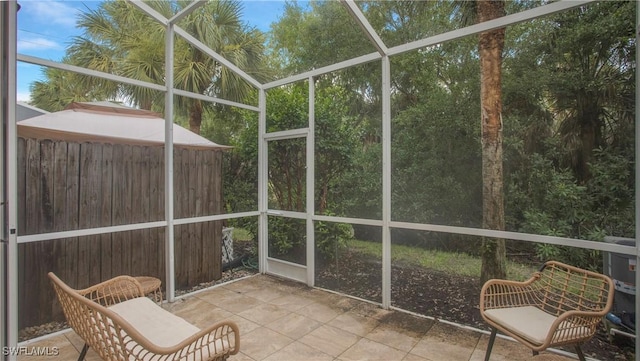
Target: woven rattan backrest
(95, 324)
(562, 288)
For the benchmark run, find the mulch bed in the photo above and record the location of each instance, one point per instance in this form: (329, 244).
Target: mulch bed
(433, 293)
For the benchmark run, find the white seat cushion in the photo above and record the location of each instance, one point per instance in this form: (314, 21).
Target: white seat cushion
(530, 323)
(157, 324)
(160, 326)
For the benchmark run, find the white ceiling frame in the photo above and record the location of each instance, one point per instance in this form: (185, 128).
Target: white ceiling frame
(287, 134)
(186, 11)
(324, 70)
(80, 70)
(89, 231)
(219, 58)
(438, 39)
(455, 34)
(373, 36)
(207, 98)
(195, 42)
(501, 22)
(150, 11)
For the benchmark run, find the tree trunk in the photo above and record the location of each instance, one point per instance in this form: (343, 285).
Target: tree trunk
(490, 48)
(195, 116)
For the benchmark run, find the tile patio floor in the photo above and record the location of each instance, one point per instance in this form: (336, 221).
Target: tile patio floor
(283, 320)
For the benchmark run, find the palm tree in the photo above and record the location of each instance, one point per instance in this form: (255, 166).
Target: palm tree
(591, 54)
(120, 39)
(490, 47)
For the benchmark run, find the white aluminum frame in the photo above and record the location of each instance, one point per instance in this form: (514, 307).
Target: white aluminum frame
(311, 185)
(301, 273)
(168, 162)
(386, 182)
(637, 203)
(9, 277)
(386, 223)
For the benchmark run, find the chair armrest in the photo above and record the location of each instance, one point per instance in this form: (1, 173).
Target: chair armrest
(573, 326)
(211, 343)
(498, 293)
(115, 290)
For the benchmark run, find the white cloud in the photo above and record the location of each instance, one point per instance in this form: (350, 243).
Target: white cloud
(37, 44)
(52, 12)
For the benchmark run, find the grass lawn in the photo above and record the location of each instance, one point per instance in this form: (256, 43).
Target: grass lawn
(450, 262)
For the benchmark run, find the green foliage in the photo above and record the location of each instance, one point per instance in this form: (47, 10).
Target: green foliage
(287, 239)
(550, 201)
(336, 144)
(332, 238)
(568, 115)
(314, 36)
(119, 39)
(436, 160)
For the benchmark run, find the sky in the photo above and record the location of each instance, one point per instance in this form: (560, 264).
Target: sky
(45, 29)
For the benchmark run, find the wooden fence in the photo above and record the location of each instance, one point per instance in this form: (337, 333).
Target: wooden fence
(66, 186)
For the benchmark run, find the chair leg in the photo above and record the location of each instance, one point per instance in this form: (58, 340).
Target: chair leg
(83, 353)
(492, 339)
(579, 352)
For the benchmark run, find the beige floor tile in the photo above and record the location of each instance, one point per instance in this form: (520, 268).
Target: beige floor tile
(219, 295)
(502, 350)
(354, 323)
(200, 313)
(54, 348)
(441, 351)
(266, 295)
(322, 296)
(368, 350)
(179, 304)
(300, 290)
(447, 343)
(291, 302)
(244, 325)
(407, 322)
(403, 340)
(262, 342)
(412, 357)
(75, 340)
(294, 325)
(246, 285)
(337, 302)
(319, 312)
(240, 357)
(235, 302)
(371, 310)
(453, 334)
(264, 313)
(344, 304)
(330, 340)
(327, 327)
(298, 351)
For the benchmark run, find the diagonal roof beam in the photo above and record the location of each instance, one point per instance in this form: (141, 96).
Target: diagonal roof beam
(192, 40)
(150, 11)
(186, 11)
(500, 22)
(355, 12)
(207, 50)
(324, 70)
(80, 70)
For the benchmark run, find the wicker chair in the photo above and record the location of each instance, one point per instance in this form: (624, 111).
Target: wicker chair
(119, 323)
(559, 305)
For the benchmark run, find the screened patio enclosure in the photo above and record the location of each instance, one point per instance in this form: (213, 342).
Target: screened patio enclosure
(383, 201)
